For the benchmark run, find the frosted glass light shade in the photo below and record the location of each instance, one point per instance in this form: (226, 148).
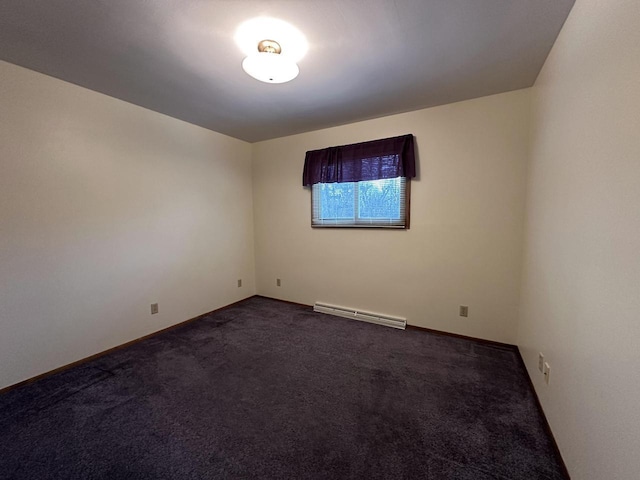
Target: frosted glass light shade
(270, 67)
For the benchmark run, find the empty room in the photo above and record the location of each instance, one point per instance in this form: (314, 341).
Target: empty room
(385, 239)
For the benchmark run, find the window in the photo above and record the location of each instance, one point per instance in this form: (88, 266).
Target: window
(369, 203)
(362, 184)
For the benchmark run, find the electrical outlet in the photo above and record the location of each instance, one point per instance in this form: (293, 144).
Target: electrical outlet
(464, 311)
(239, 282)
(546, 370)
(278, 282)
(541, 362)
(154, 308)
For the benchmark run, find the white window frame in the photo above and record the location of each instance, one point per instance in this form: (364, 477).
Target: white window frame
(356, 222)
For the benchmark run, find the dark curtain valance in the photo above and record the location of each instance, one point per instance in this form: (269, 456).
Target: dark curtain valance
(386, 158)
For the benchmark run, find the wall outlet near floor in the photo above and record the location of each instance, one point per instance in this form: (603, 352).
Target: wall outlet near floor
(541, 362)
(546, 370)
(464, 311)
(239, 282)
(154, 308)
(278, 282)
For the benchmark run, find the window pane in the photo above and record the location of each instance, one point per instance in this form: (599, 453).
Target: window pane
(374, 203)
(379, 199)
(337, 200)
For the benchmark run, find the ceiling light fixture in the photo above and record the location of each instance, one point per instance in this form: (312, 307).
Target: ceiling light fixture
(268, 65)
(274, 61)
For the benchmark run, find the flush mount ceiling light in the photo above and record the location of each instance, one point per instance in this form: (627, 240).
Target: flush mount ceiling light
(272, 47)
(268, 65)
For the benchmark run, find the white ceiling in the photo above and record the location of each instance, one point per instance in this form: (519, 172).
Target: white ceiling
(367, 58)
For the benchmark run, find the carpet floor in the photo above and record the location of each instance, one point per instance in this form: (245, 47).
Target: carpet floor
(266, 389)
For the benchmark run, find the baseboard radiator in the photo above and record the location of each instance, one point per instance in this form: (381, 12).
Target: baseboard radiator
(345, 312)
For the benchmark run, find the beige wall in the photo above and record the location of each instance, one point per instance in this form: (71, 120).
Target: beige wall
(106, 207)
(581, 283)
(464, 245)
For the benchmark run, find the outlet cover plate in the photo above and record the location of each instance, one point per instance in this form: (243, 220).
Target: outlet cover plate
(547, 372)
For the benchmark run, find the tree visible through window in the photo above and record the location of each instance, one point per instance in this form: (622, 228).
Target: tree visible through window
(376, 203)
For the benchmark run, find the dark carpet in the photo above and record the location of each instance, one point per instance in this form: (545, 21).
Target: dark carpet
(265, 389)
